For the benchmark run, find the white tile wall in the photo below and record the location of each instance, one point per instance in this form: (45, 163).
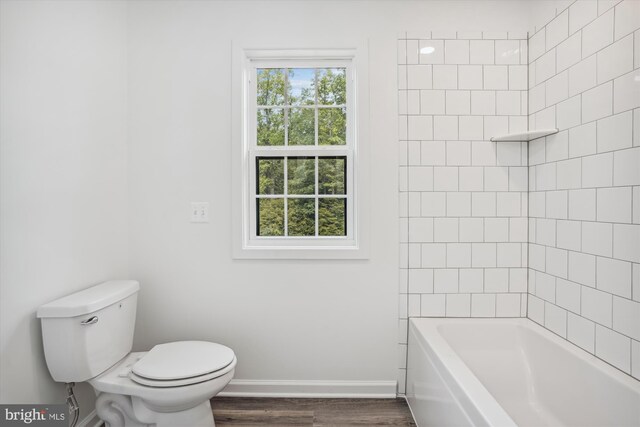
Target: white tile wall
(614, 276)
(557, 30)
(584, 230)
(627, 18)
(613, 347)
(597, 102)
(626, 243)
(615, 60)
(597, 34)
(569, 52)
(549, 229)
(582, 76)
(627, 92)
(615, 132)
(581, 332)
(582, 140)
(464, 205)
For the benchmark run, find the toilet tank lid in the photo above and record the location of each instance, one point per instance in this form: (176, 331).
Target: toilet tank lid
(89, 300)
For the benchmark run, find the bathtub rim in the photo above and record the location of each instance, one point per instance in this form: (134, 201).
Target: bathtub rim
(440, 351)
(600, 364)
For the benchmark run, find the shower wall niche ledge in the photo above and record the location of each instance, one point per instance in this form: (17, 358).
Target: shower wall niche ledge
(524, 136)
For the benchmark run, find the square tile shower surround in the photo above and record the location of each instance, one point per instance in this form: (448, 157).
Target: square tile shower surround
(463, 199)
(548, 229)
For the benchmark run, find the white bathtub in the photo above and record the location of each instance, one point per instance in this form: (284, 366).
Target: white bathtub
(511, 372)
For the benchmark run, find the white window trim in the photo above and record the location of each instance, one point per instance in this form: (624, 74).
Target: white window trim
(245, 243)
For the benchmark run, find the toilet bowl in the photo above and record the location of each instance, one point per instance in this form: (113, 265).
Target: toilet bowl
(181, 396)
(88, 337)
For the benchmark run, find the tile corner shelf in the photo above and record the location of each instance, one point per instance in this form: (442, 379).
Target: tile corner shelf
(524, 136)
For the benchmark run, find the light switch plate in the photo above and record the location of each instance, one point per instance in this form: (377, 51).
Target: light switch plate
(199, 212)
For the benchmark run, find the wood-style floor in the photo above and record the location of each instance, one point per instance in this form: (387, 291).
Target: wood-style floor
(244, 411)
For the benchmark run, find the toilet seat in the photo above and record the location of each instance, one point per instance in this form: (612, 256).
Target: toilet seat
(182, 363)
(181, 382)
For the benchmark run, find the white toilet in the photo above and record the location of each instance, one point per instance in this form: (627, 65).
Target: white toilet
(88, 337)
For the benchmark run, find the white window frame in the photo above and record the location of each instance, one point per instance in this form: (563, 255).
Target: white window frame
(246, 244)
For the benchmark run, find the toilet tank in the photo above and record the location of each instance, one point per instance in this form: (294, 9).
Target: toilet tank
(87, 332)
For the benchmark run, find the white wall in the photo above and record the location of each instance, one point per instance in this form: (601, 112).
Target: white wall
(66, 119)
(584, 182)
(298, 320)
(63, 192)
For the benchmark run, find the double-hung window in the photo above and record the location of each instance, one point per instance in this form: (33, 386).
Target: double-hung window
(299, 156)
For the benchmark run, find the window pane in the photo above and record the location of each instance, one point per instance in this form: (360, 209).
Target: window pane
(332, 217)
(301, 217)
(270, 86)
(332, 175)
(271, 126)
(270, 175)
(301, 86)
(270, 219)
(302, 126)
(301, 175)
(332, 86)
(332, 126)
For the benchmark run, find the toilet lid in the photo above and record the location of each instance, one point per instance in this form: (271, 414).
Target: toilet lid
(183, 359)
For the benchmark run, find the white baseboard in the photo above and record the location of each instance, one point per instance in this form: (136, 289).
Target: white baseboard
(324, 389)
(90, 420)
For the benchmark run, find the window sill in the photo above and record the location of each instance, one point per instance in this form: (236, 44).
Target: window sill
(300, 252)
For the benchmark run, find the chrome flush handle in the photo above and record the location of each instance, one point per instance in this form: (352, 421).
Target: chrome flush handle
(90, 321)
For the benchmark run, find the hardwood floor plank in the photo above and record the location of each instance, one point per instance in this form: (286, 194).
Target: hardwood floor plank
(290, 412)
(259, 417)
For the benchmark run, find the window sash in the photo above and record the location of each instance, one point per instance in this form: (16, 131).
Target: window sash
(318, 154)
(317, 151)
(253, 107)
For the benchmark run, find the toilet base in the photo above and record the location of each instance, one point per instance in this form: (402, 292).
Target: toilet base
(117, 410)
